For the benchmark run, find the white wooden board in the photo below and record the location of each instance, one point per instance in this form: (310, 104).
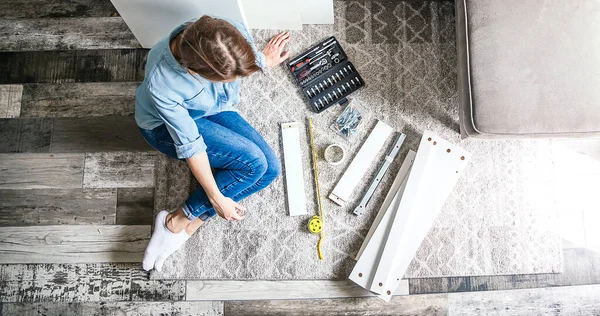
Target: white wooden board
(273, 14)
(372, 247)
(361, 162)
(316, 11)
(410, 197)
(151, 20)
(399, 182)
(446, 163)
(294, 177)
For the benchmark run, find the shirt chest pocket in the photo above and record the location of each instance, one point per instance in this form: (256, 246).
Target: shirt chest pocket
(202, 101)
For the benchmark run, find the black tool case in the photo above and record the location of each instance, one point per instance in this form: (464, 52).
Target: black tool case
(325, 75)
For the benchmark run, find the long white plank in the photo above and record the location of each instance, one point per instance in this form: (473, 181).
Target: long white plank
(364, 269)
(294, 178)
(409, 198)
(342, 191)
(275, 290)
(447, 161)
(73, 243)
(399, 182)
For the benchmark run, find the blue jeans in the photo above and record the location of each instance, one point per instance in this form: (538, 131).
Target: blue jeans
(244, 162)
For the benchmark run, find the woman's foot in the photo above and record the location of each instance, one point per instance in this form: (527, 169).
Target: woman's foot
(162, 244)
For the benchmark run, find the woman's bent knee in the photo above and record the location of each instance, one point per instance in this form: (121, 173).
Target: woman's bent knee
(273, 166)
(273, 170)
(257, 163)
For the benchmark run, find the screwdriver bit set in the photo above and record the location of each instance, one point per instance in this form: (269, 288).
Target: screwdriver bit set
(325, 75)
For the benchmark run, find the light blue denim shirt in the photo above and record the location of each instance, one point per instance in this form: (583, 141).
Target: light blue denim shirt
(170, 95)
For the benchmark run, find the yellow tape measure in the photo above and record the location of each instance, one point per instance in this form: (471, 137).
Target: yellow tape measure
(315, 225)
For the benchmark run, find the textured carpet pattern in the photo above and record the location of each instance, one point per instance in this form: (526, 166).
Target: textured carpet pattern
(497, 220)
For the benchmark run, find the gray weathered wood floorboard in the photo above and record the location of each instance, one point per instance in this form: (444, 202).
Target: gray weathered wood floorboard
(31, 9)
(135, 206)
(119, 170)
(91, 282)
(435, 304)
(58, 207)
(277, 290)
(65, 33)
(580, 266)
(41, 171)
(32, 135)
(98, 65)
(114, 308)
(73, 243)
(10, 100)
(95, 134)
(569, 300)
(71, 135)
(77, 99)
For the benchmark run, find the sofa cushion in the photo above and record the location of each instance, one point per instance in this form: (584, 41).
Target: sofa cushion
(529, 68)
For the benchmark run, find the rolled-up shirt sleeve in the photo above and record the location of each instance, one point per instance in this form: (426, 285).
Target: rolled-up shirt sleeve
(181, 126)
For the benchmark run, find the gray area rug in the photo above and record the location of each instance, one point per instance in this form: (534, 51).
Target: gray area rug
(498, 220)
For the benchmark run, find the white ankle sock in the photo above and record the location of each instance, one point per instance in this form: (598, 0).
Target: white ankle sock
(162, 244)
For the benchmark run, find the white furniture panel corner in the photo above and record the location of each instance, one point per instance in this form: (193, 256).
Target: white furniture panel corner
(316, 11)
(151, 20)
(272, 14)
(446, 163)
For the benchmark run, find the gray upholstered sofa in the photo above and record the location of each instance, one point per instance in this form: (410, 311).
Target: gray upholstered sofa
(529, 68)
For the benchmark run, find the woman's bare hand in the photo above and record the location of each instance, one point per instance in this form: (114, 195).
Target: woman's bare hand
(274, 53)
(228, 208)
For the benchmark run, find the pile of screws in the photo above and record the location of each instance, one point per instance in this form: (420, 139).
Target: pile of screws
(348, 123)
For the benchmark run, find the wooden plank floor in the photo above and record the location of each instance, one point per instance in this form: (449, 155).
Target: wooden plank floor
(79, 184)
(31, 9)
(10, 100)
(114, 65)
(74, 99)
(58, 207)
(579, 300)
(257, 290)
(41, 171)
(71, 135)
(65, 33)
(73, 243)
(90, 282)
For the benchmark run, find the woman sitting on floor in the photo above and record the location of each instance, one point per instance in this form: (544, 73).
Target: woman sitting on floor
(185, 109)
